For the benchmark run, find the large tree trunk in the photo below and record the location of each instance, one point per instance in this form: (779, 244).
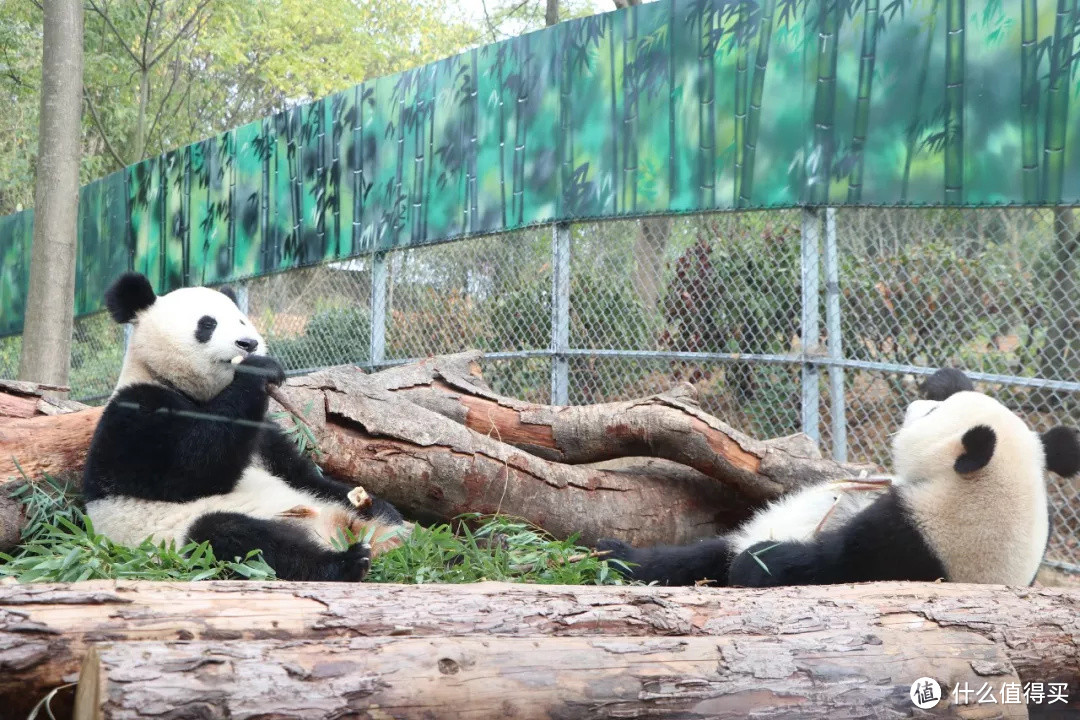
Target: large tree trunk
(305, 650)
(433, 440)
(46, 340)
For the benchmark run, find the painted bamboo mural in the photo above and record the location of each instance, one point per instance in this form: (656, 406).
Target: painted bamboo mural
(670, 106)
(954, 102)
(1029, 98)
(862, 103)
(1058, 98)
(915, 128)
(820, 158)
(741, 59)
(745, 182)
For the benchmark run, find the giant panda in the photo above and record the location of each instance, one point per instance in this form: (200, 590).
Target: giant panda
(967, 503)
(184, 453)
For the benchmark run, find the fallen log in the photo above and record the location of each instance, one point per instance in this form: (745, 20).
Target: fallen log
(435, 469)
(669, 425)
(300, 650)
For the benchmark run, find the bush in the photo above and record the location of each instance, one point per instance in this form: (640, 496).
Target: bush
(333, 336)
(605, 315)
(739, 293)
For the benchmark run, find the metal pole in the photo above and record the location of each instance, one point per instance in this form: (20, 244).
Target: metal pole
(834, 332)
(378, 308)
(811, 230)
(560, 313)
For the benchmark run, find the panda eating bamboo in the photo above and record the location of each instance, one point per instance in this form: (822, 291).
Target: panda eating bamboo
(184, 453)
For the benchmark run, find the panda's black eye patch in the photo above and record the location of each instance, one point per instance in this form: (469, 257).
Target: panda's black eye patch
(205, 328)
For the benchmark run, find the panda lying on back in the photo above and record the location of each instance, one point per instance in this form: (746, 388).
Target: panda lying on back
(183, 451)
(967, 503)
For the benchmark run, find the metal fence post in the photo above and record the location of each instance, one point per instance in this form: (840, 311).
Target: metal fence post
(378, 309)
(809, 236)
(834, 333)
(560, 313)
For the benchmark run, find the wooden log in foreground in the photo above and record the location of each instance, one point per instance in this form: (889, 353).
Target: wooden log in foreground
(299, 650)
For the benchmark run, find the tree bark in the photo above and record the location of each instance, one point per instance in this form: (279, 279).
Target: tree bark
(436, 469)
(46, 340)
(669, 425)
(551, 13)
(301, 650)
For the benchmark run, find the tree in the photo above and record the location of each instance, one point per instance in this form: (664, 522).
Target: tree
(46, 355)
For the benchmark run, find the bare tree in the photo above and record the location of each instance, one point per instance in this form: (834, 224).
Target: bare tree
(46, 350)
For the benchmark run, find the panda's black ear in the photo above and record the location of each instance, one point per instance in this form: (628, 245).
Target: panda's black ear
(979, 443)
(129, 294)
(229, 293)
(1062, 448)
(944, 383)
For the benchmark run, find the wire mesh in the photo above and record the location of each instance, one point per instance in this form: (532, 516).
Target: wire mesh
(713, 300)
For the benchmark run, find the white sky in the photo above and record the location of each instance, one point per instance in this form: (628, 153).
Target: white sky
(474, 9)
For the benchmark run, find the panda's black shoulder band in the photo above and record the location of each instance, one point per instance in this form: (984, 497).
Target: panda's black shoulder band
(129, 294)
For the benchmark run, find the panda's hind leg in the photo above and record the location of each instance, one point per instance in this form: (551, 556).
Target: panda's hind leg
(286, 547)
(701, 562)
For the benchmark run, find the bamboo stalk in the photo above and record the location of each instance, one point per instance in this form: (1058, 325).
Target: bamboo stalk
(1029, 98)
(824, 102)
(1057, 101)
(757, 88)
(862, 102)
(954, 102)
(741, 58)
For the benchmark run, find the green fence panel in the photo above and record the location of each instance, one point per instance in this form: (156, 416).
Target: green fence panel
(672, 106)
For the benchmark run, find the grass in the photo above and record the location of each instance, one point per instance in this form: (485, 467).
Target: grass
(60, 545)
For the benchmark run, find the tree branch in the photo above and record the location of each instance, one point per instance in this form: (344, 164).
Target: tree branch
(165, 100)
(182, 32)
(494, 649)
(146, 34)
(101, 131)
(104, 15)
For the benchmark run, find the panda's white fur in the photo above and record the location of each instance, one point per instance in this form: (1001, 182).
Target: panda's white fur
(801, 514)
(259, 494)
(991, 525)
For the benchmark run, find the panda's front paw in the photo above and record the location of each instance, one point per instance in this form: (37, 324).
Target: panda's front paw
(620, 551)
(354, 563)
(265, 367)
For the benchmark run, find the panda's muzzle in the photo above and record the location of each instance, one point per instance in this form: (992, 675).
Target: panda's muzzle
(248, 345)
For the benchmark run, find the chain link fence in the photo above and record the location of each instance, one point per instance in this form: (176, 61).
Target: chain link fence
(784, 320)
